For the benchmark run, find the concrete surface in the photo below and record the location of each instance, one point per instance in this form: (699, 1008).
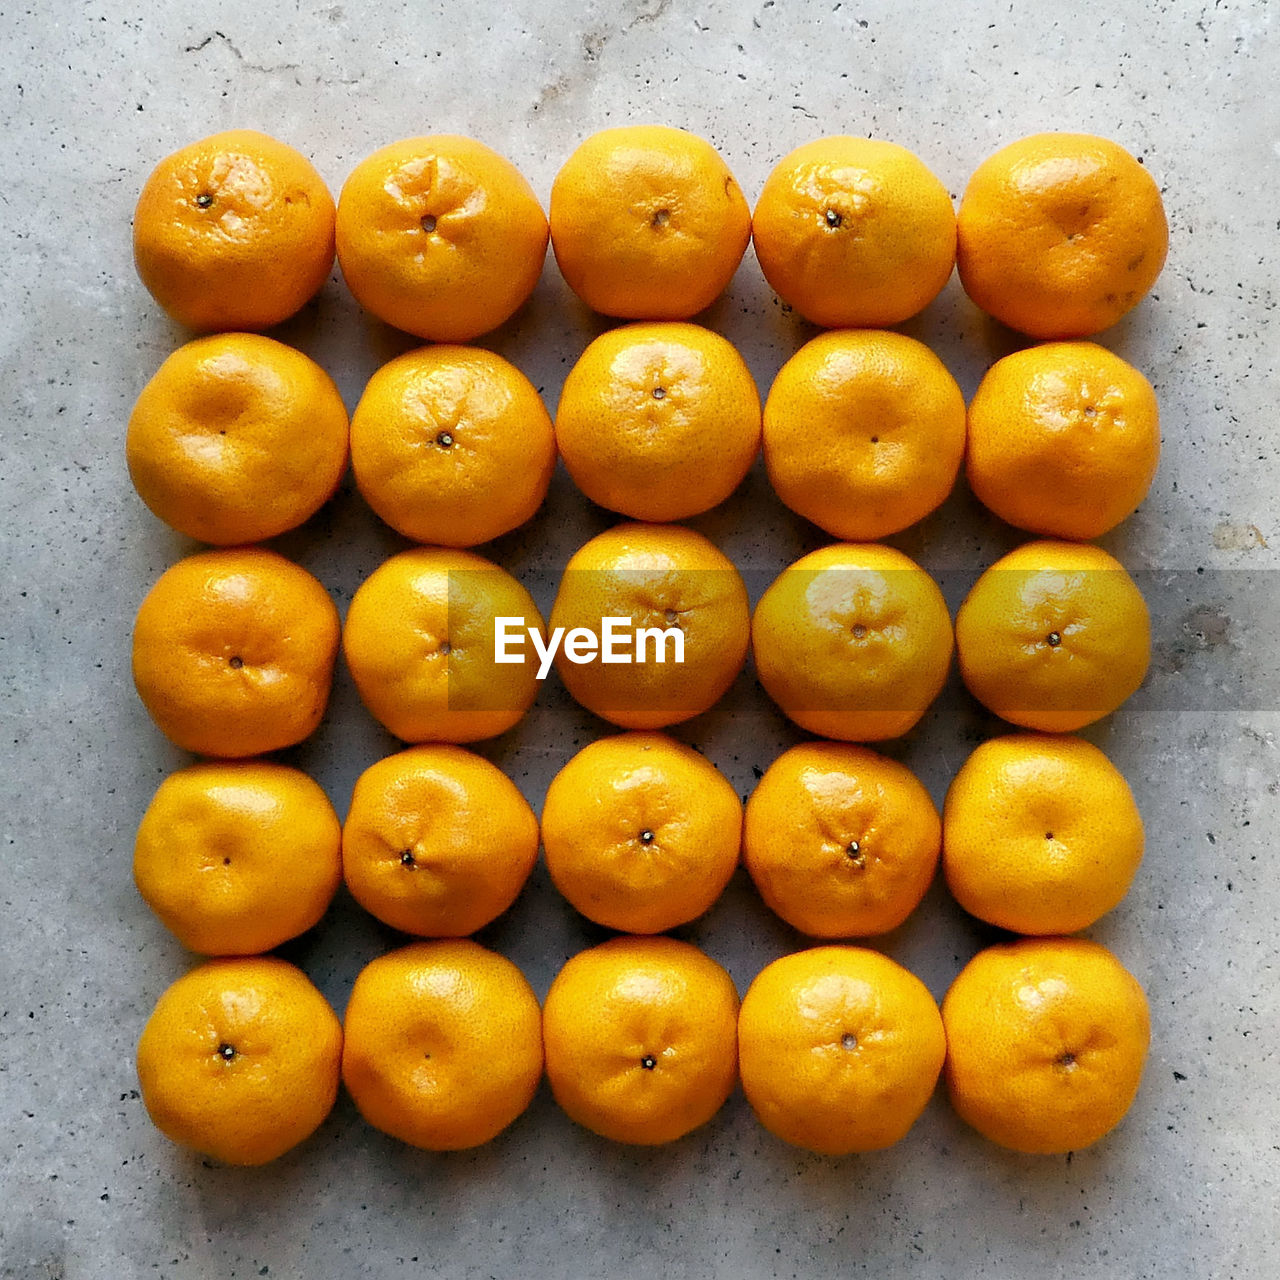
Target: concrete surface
(91, 96)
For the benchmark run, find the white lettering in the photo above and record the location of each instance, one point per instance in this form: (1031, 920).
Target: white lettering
(611, 639)
(581, 645)
(659, 636)
(546, 653)
(503, 637)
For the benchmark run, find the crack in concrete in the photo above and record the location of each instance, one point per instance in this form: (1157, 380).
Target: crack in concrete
(649, 15)
(239, 56)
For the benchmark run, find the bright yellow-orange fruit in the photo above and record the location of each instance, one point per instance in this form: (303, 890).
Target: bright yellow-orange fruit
(1046, 1040)
(839, 1049)
(437, 841)
(854, 232)
(1063, 439)
(659, 421)
(1054, 636)
(641, 832)
(235, 231)
(647, 223)
(236, 439)
(443, 1044)
(240, 1059)
(452, 446)
(853, 641)
(1040, 834)
(840, 841)
(863, 433)
(440, 236)
(640, 1041)
(238, 857)
(233, 652)
(1060, 234)
(419, 641)
(659, 578)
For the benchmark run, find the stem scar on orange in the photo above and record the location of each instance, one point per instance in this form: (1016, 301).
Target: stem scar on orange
(1061, 234)
(1054, 636)
(1046, 1041)
(440, 236)
(853, 641)
(443, 1044)
(419, 642)
(240, 1059)
(233, 652)
(647, 223)
(235, 231)
(640, 1039)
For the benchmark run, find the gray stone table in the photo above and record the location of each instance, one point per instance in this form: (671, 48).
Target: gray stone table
(91, 95)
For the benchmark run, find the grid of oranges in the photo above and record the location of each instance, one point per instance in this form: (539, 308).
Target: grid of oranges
(238, 438)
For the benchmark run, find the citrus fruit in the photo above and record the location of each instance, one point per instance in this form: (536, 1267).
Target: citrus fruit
(233, 652)
(839, 1049)
(1046, 1040)
(658, 578)
(853, 641)
(658, 421)
(233, 232)
(236, 439)
(452, 446)
(1060, 234)
(640, 1042)
(841, 842)
(239, 1059)
(440, 236)
(641, 832)
(863, 433)
(647, 223)
(437, 841)
(237, 857)
(854, 232)
(443, 1044)
(1053, 636)
(1063, 439)
(419, 640)
(1040, 834)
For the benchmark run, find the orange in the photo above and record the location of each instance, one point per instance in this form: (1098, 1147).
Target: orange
(839, 1049)
(647, 223)
(863, 433)
(419, 640)
(1040, 834)
(840, 841)
(452, 446)
(1053, 636)
(233, 652)
(239, 1059)
(437, 841)
(854, 232)
(639, 1036)
(853, 642)
(641, 832)
(1060, 234)
(1046, 1040)
(236, 858)
(233, 232)
(236, 439)
(1063, 439)
(661, 578)
(659, 421)
(440, 236)
(443, 1044)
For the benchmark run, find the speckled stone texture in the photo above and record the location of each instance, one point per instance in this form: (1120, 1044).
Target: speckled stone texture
(92, 95)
